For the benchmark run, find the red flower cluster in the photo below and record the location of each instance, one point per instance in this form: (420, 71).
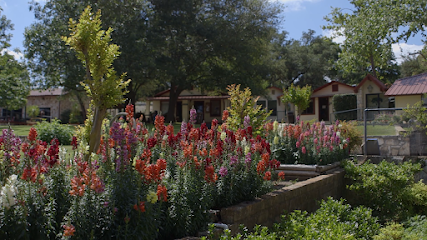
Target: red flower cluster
(140, 207)
(162, 193)
(69, 230)
(151, 172)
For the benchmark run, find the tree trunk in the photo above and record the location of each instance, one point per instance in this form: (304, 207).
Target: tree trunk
(374, 72)
(173, 99)
(95, 133)
(81, 104)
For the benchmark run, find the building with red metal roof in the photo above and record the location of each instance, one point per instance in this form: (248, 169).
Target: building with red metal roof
(409, 90)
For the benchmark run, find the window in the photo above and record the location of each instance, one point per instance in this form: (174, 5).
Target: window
(424, 99)
(45, 112)
(272, 105)
(335, 88)
(310, 109)
(215, 108)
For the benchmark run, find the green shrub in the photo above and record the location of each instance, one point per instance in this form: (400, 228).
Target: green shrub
(48, 131)
(344, 102)
(387, 188)
(413, 229)
(333, 220)
(33, 111)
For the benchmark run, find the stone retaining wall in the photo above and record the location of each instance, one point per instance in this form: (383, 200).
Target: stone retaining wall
(267, 209)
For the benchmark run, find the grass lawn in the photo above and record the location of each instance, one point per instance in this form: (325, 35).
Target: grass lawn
(378, 130)
(18, 130)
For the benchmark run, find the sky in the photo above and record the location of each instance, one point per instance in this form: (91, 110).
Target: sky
(299, 17)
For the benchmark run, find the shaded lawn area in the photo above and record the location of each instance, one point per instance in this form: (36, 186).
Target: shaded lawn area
(377, 130)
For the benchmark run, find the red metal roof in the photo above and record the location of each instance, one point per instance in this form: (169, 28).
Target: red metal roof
(409, 86)
(373, 79)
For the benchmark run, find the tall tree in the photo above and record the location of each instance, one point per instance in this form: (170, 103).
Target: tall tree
(370, 29)
(54, 64)
(309, 60)
(14, 83)
(14, 79)
(414, 63)
(210, 44)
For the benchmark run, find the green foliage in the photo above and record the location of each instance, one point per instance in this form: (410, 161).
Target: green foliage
(97, 55)
(333, 220)
(309, 59)
(412, 229)
(368, 38)
(414, 63)
(344, 102)
(54, 129)
(33, 111)
(387, 188)
(299, 96)
(242, 105)
(350, 131)
(418, 116)
(14, 82)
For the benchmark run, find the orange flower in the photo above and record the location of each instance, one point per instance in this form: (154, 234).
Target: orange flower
(69, 230)
(209, 174)
(162, 193)
(97, 185)
(267, 176)
(260, 167)
(78, 187)
(265, 158)
(188, 151)
(203, 152)
(281, 175)
(32, 135)
(169, 129)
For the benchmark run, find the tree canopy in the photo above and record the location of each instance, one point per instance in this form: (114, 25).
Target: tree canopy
(368, 32)
(309, 60)
(54, 64)
(164, 44)
(14, 79)
(414, 63)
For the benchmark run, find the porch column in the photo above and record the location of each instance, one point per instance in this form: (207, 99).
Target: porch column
(185, 110)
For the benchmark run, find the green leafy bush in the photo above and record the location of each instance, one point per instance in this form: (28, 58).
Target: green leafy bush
(243, 106)
(333, 220)
(48, 131)
(413, 229)
(344, 102)
(33, 111)
(387, 188)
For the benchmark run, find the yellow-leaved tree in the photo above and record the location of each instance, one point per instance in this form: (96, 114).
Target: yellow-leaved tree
(97, 54)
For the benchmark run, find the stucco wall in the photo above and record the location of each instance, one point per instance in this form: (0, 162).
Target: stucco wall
(403, 101)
